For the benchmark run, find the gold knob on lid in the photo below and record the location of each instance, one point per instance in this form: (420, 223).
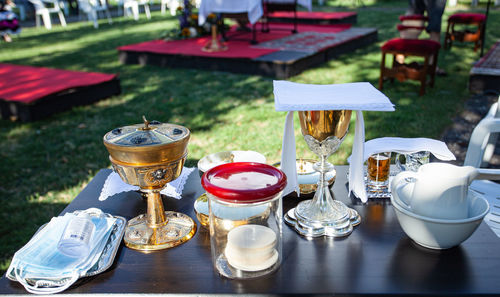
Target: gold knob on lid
(146, 123)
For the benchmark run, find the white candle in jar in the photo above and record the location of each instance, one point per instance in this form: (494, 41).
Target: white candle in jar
(251, 247)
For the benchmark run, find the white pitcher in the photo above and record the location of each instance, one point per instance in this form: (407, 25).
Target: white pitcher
(437, 190)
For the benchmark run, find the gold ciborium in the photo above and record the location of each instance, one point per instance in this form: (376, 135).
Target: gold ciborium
(323, 131)
(150, 155)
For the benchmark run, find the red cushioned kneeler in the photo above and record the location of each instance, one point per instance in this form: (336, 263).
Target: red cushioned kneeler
(30, 93)
(467, 18)
(427, 49)
(452, 34)
(402, 27)
(413, 17)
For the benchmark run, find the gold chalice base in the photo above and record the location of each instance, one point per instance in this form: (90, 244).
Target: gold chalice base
(214, 46)
(177, 229)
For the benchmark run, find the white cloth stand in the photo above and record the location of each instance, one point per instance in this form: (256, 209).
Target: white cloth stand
(361, 96)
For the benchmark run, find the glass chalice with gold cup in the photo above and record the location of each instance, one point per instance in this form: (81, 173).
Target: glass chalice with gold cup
(323, 131)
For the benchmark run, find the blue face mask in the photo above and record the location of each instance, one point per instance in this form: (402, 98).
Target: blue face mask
(41, 268)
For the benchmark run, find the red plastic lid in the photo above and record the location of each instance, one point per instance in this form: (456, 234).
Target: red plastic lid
(244, 182)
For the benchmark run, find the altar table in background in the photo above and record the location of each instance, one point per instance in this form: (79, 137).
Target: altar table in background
(376, 259)
(252, 7)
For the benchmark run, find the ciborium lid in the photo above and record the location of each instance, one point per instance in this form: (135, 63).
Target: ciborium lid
(148, 143)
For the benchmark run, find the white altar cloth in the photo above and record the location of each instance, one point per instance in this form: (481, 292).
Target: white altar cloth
(252, 7)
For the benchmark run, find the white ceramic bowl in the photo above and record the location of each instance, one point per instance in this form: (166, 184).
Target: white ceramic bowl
(440, 233)
(215, 159)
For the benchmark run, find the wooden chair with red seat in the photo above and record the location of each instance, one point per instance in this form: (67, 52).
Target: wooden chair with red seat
(427, 49)
(465, 35)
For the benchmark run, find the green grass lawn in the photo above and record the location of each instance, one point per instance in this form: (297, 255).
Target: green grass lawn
(46, 163)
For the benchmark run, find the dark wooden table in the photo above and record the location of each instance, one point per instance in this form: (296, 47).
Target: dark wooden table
(376, 259)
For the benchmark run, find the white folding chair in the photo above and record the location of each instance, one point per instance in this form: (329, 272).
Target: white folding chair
(174, 4)
(479, 152)
(44, 8)
(483, 139)
(131, 7)
(171, 4)
(92, 8)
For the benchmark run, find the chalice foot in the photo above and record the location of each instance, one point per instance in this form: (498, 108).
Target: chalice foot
(140, 236)
(158, 229)
(309, 228)
(323, 215)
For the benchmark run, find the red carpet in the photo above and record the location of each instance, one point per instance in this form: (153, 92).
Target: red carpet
(485, 74)
(27, 84)
(192, 47)
(312, 15)
(238, 43)
(31, 93)
(279, 53)
(490, 61)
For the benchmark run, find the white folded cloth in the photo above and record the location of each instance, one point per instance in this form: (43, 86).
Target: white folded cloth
(252, 7)
(289, 96)
(114, 185)
(407, 146)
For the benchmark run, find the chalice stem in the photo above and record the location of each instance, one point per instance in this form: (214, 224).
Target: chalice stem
(213, 30)
(156, 212)
(323, 198)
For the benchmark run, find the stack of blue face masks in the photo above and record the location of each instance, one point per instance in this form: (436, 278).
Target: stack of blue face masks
(42, 269)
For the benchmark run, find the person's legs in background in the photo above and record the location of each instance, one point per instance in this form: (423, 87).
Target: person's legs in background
(435, 10)
(415, 7)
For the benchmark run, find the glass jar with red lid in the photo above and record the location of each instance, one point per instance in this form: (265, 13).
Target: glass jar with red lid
(245, 218)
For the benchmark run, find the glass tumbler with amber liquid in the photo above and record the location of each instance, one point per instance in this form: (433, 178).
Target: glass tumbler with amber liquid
(378, 170)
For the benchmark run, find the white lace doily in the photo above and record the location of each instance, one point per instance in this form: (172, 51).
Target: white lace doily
(114, 185)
